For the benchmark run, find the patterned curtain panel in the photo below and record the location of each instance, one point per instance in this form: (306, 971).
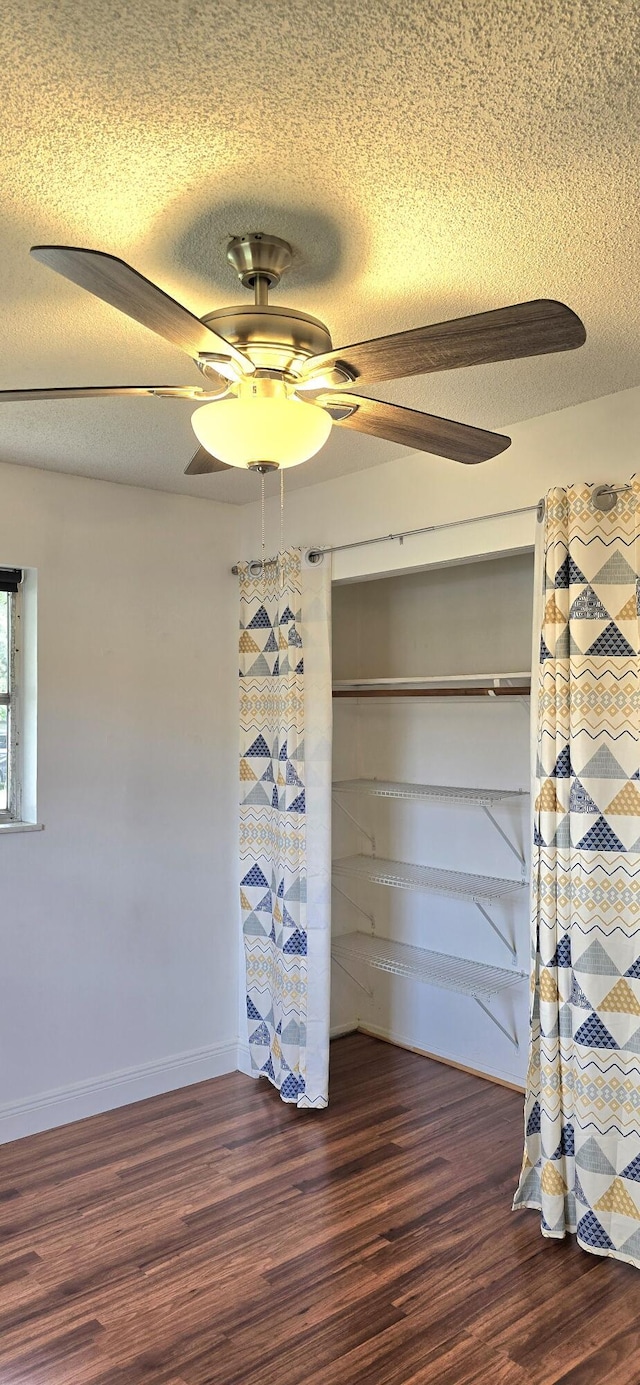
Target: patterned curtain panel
(581, 1165)
(285, 821)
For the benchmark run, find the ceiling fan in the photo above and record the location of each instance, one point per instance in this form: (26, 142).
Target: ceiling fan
(273, 383)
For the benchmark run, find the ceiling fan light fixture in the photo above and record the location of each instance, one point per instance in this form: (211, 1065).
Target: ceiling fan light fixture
(263, 424)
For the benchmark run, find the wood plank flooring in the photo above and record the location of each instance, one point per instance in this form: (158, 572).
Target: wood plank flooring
(215, 1236)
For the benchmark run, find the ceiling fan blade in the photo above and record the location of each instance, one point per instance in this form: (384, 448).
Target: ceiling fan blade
(202, 462)
(102, 391)
(441, 436)
(524, 329)
(118, 284)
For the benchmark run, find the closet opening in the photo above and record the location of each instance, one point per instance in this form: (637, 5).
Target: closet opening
(431, 811)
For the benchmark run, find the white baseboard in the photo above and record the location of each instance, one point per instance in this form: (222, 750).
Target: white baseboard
(113, 1089)
(507, 1079)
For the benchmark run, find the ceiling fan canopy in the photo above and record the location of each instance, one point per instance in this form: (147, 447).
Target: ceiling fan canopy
(274, 385)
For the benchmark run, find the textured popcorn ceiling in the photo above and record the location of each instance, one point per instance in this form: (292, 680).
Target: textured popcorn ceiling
(425, 159)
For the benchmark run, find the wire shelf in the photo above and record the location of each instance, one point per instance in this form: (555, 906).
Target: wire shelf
(434, 968)
(481, 682)
(432, 793)
(405, 875)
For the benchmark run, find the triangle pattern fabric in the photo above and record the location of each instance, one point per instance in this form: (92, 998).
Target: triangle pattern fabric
(588, 606)
(593, 1034)
(621, 999)
(600, 837)
(595, 961)
(603, 765)
(615, 572)
(626, 802)
(568, 574)
(611, 643)
(580, 801)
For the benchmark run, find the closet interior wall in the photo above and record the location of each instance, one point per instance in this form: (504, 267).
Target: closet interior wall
(469, 618)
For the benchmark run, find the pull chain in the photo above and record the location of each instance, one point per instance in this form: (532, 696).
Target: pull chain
(262, 483)
(281, 510)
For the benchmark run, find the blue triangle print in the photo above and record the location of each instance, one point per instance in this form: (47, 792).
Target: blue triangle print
(271, 647)
(255, 877)
(562, 957)
(611, 644)
(566, 1148)
(579, 1191)
(267, 777)
(296, 945)
(632, 1170)
(299, 668)
(283, 751)
(634, 971)
(274, 797)
(276, 669)
(260, 620)
(252, 1013)
(272, 935)
(568, 574)
(562, 768)
(600, 837)
(537, 839)
(298, 805)
(593, 1234)
(268, 1069)
(281, 889)
(292, 776)
(636, 775)
(592, 1034)
(294, 638)
(588, 606)
(289, 1088)
(286, 616)
(545, 652)
(260, 1035)
(578, 996)
(264, 905)
(258, 749)
(580, 801)
(287, 920)
(533, 1123)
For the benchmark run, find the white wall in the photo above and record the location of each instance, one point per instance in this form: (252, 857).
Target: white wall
(119, 921)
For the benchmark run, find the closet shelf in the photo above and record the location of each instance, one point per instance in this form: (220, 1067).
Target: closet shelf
(460, 974)
(434, 968)
(405, 875)
(438, 685)
(431, 793)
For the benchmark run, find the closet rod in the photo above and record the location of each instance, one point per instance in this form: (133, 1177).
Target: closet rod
(315, 555)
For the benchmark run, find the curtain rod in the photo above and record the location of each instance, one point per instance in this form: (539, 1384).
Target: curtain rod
(315, 555)
(604, 498)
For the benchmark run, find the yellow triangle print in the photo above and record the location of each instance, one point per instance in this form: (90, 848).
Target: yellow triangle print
(548, 988)
(629, 610)
(248, 644)
(276, 912)
(626, 803)
(282, 642)
(547, 800)
(552, 613)
(621, 999)
(244, 902)
(552, 1181)
(246, 771)
(280, 779)
(617, 1199)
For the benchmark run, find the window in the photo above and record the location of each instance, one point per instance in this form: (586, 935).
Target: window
(9, 723)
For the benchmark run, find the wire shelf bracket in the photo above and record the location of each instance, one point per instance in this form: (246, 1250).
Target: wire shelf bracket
(369, 917)
(369, 835)
(519, 855)
(356, 982)
(513, 1038)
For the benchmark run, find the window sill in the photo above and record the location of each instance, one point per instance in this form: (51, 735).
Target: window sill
(21, 827)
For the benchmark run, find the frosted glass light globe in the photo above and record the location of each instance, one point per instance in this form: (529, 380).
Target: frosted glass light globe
(263, 424)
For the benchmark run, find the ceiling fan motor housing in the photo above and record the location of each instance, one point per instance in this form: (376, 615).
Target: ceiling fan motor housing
(259, 255)
(276, 338)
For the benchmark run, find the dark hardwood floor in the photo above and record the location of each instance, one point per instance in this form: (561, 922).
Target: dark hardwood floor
(214, 1236)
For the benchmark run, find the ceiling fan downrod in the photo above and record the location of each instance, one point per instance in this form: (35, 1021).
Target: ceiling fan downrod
(259, 260)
